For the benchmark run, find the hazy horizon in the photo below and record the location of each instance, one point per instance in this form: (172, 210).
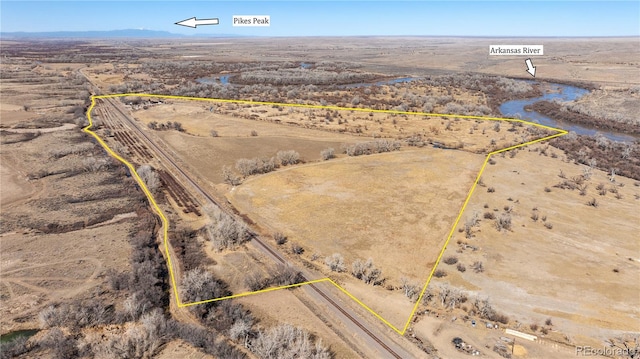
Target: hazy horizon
(335, 18)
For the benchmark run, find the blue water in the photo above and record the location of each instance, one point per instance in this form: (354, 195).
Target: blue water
(515, 108)
(224, 79)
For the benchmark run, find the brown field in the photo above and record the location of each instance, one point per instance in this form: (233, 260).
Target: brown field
(69, 213)
(577, 272)
(394, 208)
(57, 243)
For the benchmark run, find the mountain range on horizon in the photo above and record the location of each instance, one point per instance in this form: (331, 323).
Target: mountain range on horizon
(124, 33)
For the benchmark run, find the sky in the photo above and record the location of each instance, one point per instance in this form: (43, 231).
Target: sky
(334, 18)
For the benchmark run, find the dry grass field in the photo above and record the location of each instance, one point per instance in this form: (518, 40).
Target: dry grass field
(562, 259)
(550, 242)
(394, 208)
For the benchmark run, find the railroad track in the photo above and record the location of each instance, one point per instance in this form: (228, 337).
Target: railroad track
(167, 160)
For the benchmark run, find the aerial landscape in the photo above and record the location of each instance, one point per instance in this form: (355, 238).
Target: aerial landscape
(310, 183)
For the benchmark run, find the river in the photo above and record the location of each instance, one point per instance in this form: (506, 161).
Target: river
(561, 92)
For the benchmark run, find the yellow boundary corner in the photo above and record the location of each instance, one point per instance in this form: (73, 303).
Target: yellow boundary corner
(165, 222)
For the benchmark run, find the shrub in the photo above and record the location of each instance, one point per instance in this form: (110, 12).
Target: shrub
(214, 133)
(61, 345)
(225, 232)
(593, 203)
(372, 147)
(149, 177)
(491, 189)
(366, 272)
(439, 273)
(451, 260)
(296, 249)
(198, 284)
(503, 222)
(254, 133)
(280, 238)
(248, 167)
(489, 215)
(230, 177)
(410, 290)
(286, 341)
(255, 281)
(461, 268)
(285, 275)
(14, 348)
(477, 267)
(335, 262)
(290, 157)
(327, 153)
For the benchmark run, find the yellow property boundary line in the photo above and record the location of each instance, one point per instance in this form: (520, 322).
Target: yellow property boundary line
(165, 222)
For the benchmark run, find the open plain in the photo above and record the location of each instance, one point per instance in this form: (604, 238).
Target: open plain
(318, 182)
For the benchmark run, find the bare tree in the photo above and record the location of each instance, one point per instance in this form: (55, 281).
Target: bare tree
(327, 153)
(198, 284)
(62, 346)
(230, 177)
(225, 232)
(366, 272)
(410, 290)
(286, 341)
(149, 177)
(286, 275)
(335, 262)
(290, 157)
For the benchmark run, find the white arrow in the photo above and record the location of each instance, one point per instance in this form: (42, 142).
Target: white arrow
(193, 22)
(530, 68)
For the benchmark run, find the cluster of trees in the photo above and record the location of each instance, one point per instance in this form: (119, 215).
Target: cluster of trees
(286, 341)
(253, 166)
(150, 177)
(169, 125)
(300, 76)
(327, 153)
(363, 270)
(448, 297)
(279, 275)
(371, 147)
(608, 155)
(283, 341)
(289, 157)
(579, 113)
(225, 232)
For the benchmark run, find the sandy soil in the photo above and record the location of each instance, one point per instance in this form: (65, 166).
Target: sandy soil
(40, 269)
(14, 185)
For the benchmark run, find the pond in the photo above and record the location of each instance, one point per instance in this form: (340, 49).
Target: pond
(5, 338)
(561, 92)
(224, 79)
